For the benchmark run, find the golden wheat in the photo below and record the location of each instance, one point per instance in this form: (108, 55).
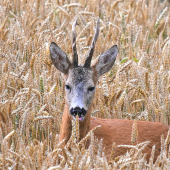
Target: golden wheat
(32, 90)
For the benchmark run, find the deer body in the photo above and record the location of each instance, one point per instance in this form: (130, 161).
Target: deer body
(116, 131)
(80, 88)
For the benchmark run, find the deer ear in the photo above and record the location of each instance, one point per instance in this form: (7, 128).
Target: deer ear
(59, 58)
(106, 60)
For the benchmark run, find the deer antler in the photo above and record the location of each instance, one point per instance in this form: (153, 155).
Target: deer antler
(74, 50)
(89, 57)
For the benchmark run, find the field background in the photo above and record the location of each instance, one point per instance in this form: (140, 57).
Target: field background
(32, 90)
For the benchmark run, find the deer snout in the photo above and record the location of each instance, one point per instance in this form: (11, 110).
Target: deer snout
(78, 112)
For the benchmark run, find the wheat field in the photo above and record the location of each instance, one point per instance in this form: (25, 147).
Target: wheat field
(32, 90)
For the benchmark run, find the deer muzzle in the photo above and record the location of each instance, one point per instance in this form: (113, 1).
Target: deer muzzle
(78, 112)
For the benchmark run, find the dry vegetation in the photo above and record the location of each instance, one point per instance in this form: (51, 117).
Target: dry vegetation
(32, 90)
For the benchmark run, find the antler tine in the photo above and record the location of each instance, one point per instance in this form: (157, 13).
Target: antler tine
(89, 57)
(74, 50)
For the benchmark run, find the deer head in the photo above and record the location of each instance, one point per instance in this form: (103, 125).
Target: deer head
(81, 80)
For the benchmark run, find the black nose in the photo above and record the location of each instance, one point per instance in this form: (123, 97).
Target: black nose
(77, 111)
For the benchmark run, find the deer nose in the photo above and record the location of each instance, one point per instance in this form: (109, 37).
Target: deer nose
(77, 111)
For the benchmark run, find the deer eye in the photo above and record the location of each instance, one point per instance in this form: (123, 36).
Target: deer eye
(90, 89)
(68, 87)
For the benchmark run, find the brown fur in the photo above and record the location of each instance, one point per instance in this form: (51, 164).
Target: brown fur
(116, 131)
(119, 132)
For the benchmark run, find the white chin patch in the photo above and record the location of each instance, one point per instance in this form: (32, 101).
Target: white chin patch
(80, 118)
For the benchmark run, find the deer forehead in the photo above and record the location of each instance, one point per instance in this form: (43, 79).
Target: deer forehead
(80, 75)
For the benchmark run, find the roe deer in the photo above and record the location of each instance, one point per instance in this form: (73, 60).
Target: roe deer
(80, 89)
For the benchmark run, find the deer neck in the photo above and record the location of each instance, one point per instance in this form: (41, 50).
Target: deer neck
(66, 127)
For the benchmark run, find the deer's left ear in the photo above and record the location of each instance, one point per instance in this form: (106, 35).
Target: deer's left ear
(106, 60)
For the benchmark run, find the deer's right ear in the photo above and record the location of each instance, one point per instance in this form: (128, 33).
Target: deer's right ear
(59, 58)
(106, 60)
